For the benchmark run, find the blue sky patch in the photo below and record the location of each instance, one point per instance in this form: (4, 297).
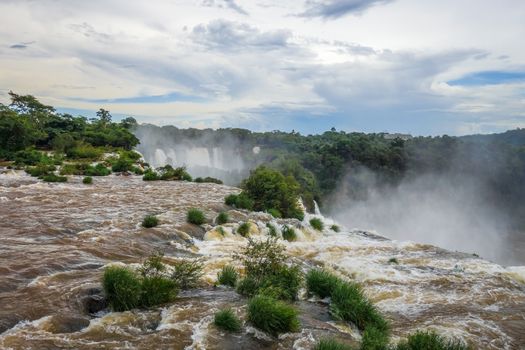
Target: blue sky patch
(489, 78)
(167, 98)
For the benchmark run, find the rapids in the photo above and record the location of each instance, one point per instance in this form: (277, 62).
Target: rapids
(57, 239)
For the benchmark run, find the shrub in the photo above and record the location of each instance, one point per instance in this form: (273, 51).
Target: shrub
(86, 151)
(230, 199)
(169, 173)
(122, 165)
(222, 218)
(321, 283)
(150, 175)
(196, 217)
(374, 339)
(348, 303)
(248, 286)
(54, 178)
(288, 233)
(122, 288)
(244, 229)
(228, 276)
(150, 221)
(272, 316)
(153, 265)
(97, 170)
(40, 170)
(261, 258)
(227, 320)
(88, 180)
(157, 290)
(317, 224)
(393, 261)
(74, 169)
(137, 171)
(272, 231)
(331, 344)
(275, 213)
(209, 180)
(284, 283)
(187, 273)
(28, 157)
(270, 189)
(429, 340)
(335, 228)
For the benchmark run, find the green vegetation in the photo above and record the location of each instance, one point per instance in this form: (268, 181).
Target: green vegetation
(374, 339)
(288, 233)
(88, 180)
(244, 229)
(335, 228)
(429, 341)
(157, 290)
(150, 175)
(240, 201)
(272, 316)
(54, 178)
(317, 224)
(195, 216)
(221, 230)
(40, 170)
(168, 173)
(187, 273)
(150, 221)
(227, 320)
(272, 230)
(275, 213)
(97, 170)
(222, 218)
(269, 189)
(393, 261)
(228, 276)
(321, 283)
(122, 288)
(209, 180)
(331, 344)
(266, 271)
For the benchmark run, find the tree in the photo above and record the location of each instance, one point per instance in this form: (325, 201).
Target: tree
(128, 123)
(104, 117)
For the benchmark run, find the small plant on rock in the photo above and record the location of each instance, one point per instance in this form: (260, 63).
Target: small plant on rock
(226, 320)
(187, 273)
(273, 316)
(195, 216)
(317, 224)
(288, 233)
(331, 344)
(222, 218)
(150, 221)
(88, 180)
(228, 276)
(244, 229)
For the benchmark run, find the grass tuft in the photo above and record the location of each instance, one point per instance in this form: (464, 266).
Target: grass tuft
(228, 276)
(321, 283)
(196, 217)
(88, 180)
(317, 224)
(288, 233)
(273, 316)
(244, 229)
(423, 340)
(335, 228)
(222, 218)
(122, 288)
(227, 320)
(331, 344)
(187, 273)
(150, 221)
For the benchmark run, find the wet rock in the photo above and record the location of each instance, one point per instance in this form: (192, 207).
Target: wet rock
(193, 230)
(94, 301)
(67, 324)
(236, 215)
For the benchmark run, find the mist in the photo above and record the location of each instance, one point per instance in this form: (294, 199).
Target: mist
(202, 155)
(447, 210)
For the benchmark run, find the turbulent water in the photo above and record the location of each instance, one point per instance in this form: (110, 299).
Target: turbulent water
(57, 239)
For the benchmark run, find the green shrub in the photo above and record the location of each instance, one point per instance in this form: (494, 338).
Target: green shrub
(228, 276)
(153, 265)
(85, 151)
(88, 180)
(222, 218)
(28, 157)
(156, 290)
(272, 231)
(317, 224)
(227, 320)
(40, 170)
(209, 180)
(122, 165)
(273, 316)
(248, 286)
(270, 189)
(348, 303)
(335, 228)
(150, 175)
(195, 216)
(261, 258)
(331, 344)
(122, 288)
(97, 170)
(244, 229)
(187, 273)
(429, 341)
(321, 283)
(393, 261)
(374, 339)
(136, 170)
(275, 213)
(283, 283)
(288, 233)
(150, 221)
(230, 199)
(178, 174)
(54, 178)
(74, 169)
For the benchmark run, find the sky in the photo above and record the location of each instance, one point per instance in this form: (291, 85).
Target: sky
(412, 66)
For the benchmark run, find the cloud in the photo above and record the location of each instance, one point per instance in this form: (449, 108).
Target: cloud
(333, 9)
(231, 4)
(489, 78)
(21, 46)
(234, 35)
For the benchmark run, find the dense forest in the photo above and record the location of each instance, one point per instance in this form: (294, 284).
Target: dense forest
(320, 163)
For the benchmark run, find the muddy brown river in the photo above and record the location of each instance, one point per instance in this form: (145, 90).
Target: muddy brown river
(56, 240)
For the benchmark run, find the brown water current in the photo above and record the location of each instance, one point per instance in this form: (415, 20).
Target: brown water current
(56, 240)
